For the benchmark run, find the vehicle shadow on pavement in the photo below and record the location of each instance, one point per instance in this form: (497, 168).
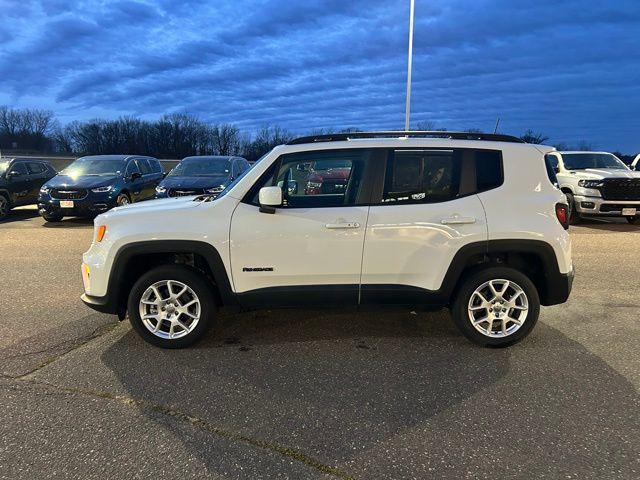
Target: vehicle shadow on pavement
(391, 395)
(19, 215)
(72, 222)
(608, 225)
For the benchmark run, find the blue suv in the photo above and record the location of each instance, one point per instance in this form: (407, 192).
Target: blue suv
(94, 184)
(199, 175)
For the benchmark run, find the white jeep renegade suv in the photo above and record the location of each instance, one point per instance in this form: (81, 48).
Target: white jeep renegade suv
(407, 219)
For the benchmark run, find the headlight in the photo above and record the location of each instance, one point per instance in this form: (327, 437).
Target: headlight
(102, 189)
(44, 189)
(590, 183)
(215, 189)
(160, 189)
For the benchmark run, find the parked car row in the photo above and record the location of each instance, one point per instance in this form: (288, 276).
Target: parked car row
(595, 183)
(94, 184)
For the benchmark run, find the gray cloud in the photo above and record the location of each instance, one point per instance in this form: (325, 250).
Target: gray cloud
(568, 69)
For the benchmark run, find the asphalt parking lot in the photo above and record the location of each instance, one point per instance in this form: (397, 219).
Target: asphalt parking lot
(315, 394)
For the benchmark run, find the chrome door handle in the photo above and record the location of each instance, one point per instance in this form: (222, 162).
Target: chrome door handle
(335, 226)
(457, 220)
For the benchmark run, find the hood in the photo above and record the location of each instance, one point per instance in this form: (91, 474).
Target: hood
(84, 181)
(602, 173)
(162, 205)
(192, 182)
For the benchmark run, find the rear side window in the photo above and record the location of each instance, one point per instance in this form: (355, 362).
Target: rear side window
(421, 176)
(35, 167)
(488, 170)
(155, 165)
(143, 164)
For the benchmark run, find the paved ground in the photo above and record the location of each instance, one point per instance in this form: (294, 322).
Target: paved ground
(307, 394)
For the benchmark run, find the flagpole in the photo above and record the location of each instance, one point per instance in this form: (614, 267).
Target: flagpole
(409, 64)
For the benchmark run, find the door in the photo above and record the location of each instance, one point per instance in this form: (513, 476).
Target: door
(135, 182)
(38, 174)
(310, 250)
(19, 184)
(148, 178)
(426, 211)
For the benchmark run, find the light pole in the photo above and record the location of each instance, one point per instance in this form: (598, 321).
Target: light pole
(408, 107)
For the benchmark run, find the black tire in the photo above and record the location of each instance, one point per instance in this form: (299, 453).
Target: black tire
(574, 216)
(52, 217)
(461, 314)
(189, 276)
(123, 199)
(633, 220)
(5, 207)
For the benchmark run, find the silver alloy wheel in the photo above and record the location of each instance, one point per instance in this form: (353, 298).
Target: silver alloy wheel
(498, 308)
(4, 206)
(169, 309)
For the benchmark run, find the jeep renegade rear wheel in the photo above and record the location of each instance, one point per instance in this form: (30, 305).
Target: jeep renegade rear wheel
(496, 307)
(172, 306)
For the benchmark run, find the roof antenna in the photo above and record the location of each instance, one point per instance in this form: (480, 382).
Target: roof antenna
(495, 130)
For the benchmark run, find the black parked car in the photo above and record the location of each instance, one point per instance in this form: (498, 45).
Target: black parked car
(198, 175)
(92, 185)
(20, 181)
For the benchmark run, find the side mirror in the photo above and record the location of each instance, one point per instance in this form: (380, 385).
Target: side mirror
(270, 198)
(136, 175)
(13, 173)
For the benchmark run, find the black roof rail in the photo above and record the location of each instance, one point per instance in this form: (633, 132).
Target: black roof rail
(336, 137)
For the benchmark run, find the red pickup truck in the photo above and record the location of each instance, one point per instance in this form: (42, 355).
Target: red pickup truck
(325, 180)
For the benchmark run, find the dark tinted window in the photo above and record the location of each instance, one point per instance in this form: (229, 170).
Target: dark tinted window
(143, 165)
(488, 169)
(19, 167)
(327, 178)
(551, 164)
(155, 165)
(132, 168)
(35, 167)
(421, 176)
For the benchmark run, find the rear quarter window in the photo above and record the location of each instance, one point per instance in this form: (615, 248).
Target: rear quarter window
(489, 173)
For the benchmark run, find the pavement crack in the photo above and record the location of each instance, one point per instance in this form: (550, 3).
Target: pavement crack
(76, 344)
(195, 422)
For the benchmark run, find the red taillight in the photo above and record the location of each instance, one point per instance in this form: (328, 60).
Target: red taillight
(562, 212)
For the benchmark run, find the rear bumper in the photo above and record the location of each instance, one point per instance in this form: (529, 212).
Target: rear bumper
(558, 288)
(599, 206)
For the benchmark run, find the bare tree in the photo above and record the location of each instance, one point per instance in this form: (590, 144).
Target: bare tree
(532, 137)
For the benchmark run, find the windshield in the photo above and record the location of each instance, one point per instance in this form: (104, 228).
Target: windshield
(582, 161)
(93, 166)
(201, 167)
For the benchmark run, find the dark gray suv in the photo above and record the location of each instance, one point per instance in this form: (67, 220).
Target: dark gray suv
(20, 182)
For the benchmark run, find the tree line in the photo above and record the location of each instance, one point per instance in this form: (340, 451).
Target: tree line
(176, 135)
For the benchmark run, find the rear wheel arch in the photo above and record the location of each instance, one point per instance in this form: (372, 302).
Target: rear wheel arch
(135, 259)
(534, 258)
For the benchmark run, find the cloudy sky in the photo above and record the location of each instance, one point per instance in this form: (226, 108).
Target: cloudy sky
(569, 69)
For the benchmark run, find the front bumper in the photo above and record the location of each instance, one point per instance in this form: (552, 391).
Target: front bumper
(90, 206)
(598, 206)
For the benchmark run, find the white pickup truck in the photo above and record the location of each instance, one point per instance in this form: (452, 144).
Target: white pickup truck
(597, 184)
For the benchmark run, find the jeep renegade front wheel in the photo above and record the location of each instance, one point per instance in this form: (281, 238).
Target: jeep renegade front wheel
(496, 307)
(172, 306)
